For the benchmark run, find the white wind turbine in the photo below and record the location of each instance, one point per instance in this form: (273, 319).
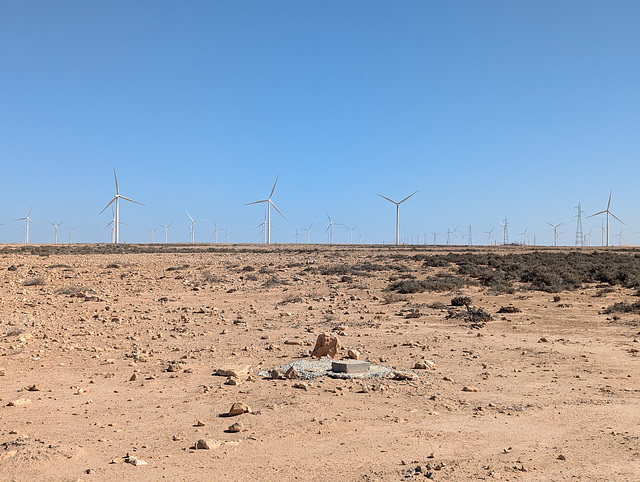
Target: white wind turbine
(55, 230)
(297, 235)
(116, 198)
(27, 220)
(607, 212)
(153, 232)
(330, 228)
(397, 213)
(555, 232)
(215, 231)
(166, 231)
(269, 204)
(524, 236)
(435, 235)
(308, 230)
(70, 230)
(620, 238)
(192, 231)
(490, 233)
(228, 233)
(351, 233)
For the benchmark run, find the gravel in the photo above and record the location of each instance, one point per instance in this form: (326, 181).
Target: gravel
(310, 369)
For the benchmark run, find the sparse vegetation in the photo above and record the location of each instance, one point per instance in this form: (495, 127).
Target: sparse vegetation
(461, 301)
(623, 307)
(37, 281)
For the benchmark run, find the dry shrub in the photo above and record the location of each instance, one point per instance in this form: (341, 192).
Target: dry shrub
(37, 281)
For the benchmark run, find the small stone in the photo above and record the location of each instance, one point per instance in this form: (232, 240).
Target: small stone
(404, 376)
(292, 373)
(130, 459)
(133, 378)
(276, 374)
(33, 388)
(20, 402)
(327, 344)
(236, 427)
(238, 409)
(208, 444)
(237, 371)
(199, 423)
(470, 389)
(561, 457)
(353, 354)
(300, 385)
(543, 340)
(232, 381)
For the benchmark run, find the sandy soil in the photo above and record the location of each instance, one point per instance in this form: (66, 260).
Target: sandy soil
(108, 355)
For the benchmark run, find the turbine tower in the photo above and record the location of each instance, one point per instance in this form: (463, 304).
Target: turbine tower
(397, 213)
(192, 231)
(490, 233)
(27, 220)
(269, 204)
(215, 231)
(351, 233)
(153, 232)
(55, 230)
(607, 212)
(330, 228)
(70, 230)
(166, 231)
(117, 198)
(308, 230)
(555, 232)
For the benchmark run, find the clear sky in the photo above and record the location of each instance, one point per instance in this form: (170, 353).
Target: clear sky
(492, 109)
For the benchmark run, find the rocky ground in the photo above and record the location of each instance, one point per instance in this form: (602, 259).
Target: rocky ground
(119, 364)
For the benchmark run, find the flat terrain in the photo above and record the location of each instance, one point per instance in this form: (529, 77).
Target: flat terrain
(113, 351)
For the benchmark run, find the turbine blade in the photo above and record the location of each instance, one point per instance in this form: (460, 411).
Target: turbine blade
(408, 197)
(601, 212)
(329, 218)
(111, 202)
(116, 178)
(257, 202)
(609, 203)
(276, 208)
(274, 186)
(189, 215)
(615, 216)
(131, 200)
(30, 210)
(390, 200)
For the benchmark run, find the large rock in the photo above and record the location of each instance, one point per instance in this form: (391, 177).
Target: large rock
(237, 371)
(238, 409)
(327, 344)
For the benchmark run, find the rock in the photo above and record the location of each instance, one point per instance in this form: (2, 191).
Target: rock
(20, 402)
(238, 409)
(236, 427)
(300, 385)
(237, 371)
(292, 373)
(353, 354)
(199, 423)
(232, 381)
(424, 365)
(130, 459)
(276, 374)
(33, 388)
(327, 344)
(561, 457)
(208, 444)
(404, 376)
(133, 378)
(470, 388)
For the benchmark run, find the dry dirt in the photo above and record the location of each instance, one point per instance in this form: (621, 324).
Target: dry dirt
(105, 354)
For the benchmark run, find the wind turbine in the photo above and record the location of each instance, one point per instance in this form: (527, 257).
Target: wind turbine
(166, 231)
(555, 232)
(70, 233)
(55, 229)
(153, 232)
(228, 233)
(192, 232)
(607, 212)
(524, 236)
(308, 230)
(269, 204)
(117, 198)
(397, 213)
(297, 235)
(435, 235)
(330, 228)
(27, 220)
(351, 233)
(620, 238)
(215, 231)
(490, 233)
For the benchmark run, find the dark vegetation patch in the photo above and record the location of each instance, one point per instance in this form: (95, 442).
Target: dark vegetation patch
(176, 268)
(274, 281)
(623, 307)
(461, 301)
(509, 309)
(212, 278)
(432, 283)
(74, 290)
(477, 317)
(37, 281)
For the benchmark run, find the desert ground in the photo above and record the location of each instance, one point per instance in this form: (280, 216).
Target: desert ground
(507, 363)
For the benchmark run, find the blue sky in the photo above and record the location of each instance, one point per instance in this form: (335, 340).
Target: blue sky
(490, 109)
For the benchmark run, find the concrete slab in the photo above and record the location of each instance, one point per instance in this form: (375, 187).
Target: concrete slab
(350, 366)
